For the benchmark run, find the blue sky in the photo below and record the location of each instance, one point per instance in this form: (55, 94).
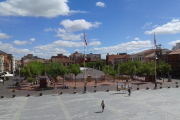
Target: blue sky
(50, 27)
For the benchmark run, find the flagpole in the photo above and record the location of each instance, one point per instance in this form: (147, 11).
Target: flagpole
(84, 68)
(155, 55)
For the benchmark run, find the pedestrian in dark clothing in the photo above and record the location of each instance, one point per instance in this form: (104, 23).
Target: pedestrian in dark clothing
(102, 105)
(129, 90)
(155, 85)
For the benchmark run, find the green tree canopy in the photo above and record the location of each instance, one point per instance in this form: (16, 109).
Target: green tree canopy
(75, 69)
(164, 68)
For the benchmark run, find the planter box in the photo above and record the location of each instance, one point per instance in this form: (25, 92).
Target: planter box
(2, 96)
(28, 95)
(160, 87)
(94, 90)
(40, 94)
(107, 90)
(177, 86)
(137, 88)
(13, 95)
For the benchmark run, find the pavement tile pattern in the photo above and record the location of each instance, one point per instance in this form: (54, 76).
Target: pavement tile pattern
(161, 104)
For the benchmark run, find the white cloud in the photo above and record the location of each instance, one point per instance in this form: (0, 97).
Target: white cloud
(100, 4)
(93, 39)
(155, 26)
(17, 42)
(172, 27)
(32, 39)
(137, 51)
(94, 43)
(48, 29)
(174, 42)
(147, 24)
(4, 36)
(61, 43)
(12, 50)
(76, 50)
(127, 37)
(133, 45)
(78, 25)
(69, 36)
(35, 8)
(136, 38)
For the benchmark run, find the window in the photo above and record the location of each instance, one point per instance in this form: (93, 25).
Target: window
(63, 64)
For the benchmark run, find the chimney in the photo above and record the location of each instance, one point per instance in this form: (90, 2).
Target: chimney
(107, 53)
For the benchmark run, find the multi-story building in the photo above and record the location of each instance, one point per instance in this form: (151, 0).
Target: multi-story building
(110, 58)
(91, 55)
(7, 62)
(76, 56)
(64, 60)
(176, 47)
(174, 61)
(27, 59)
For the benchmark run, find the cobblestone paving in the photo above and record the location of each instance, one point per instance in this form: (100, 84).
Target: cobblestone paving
(161, 104)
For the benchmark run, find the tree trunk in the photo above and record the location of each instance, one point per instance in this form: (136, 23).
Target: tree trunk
(163, 78)
(63, 81)
(113, 79)
(75, 81)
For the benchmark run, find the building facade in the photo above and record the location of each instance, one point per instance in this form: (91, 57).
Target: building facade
(7, 62)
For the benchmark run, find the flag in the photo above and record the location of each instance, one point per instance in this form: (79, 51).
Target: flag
(85, 38)
(154, 40)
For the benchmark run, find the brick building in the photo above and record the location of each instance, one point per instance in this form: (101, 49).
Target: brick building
(110, 58)
(7, 62)
(76, 57)
(28, 58)
(174, 61)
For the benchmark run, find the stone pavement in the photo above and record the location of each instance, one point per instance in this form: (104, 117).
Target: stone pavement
(161, 104)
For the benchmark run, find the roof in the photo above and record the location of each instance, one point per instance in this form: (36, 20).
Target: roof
(62, 60)
(112, 57)
(149, 51)
(150, 55)
(175, 52)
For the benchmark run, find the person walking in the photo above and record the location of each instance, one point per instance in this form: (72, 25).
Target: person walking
(102, 105)
(129, 90)
(155, 87)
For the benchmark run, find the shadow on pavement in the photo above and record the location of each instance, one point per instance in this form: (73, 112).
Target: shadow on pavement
(105, 85)
(117, 93)
(98, 112)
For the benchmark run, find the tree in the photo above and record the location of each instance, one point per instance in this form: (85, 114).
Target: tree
(26, 72)
(101, 64)
(63, 72)
(75, 69)
(107, 69)
(53, 69)
(36, 68)
(148, 69)
(130, 68)
(164, 68)
(122, 68)
(137, 65)
(113, 73)
(82, 64)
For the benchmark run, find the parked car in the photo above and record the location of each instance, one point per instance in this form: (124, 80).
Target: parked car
(7, 74)
(1, 80)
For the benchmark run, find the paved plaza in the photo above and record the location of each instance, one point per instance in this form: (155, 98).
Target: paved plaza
(161, 104)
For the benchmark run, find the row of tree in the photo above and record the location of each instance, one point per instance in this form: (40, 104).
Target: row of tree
(99, 65)
(138, 68)
(53, 69)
